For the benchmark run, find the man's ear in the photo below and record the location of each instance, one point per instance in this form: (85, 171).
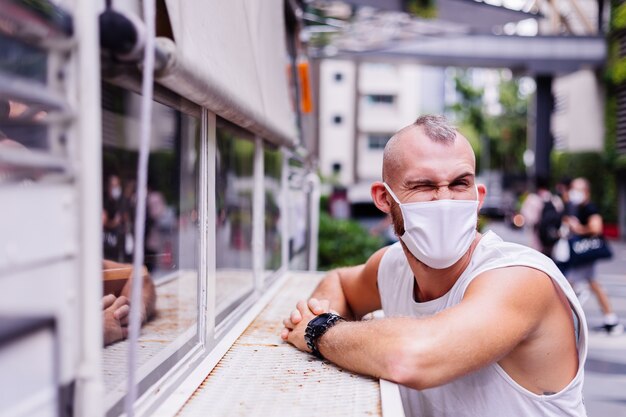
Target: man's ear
(482, 193)
(379, 195)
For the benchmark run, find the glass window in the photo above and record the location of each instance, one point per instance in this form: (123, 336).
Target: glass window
(273, 164)
(381, 99)
(170, 277)
(298, 215)
(23, 60)
(29, 149)
(234, 196)
(377, 140)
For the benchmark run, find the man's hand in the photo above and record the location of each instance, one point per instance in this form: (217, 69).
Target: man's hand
(295, 325)
(115, 318)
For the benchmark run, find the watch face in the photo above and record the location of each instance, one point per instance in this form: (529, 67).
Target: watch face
(319, 320)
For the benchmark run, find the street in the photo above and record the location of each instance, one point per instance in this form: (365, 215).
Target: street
(605, 370)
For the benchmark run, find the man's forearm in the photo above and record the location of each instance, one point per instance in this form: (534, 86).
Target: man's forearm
(330, 288)
(378, 348)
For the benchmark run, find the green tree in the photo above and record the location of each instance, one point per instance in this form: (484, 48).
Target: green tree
(500, 138)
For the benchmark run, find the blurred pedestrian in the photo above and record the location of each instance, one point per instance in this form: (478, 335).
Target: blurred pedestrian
(543, 212)
(587, 221)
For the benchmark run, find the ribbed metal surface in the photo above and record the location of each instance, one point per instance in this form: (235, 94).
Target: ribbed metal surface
(262, 376)
(621, 119)
(620, 38)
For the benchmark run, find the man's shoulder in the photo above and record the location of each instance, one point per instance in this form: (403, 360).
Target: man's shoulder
(495, 254)
(516, 284)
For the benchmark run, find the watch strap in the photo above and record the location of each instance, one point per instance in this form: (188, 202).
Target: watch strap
(317, 327)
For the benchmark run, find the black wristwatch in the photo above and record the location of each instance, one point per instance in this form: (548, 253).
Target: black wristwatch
(317, 327)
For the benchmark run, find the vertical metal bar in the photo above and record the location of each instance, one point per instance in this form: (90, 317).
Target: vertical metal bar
(357, 131)
(313, 182)
(284, 210)
(134, 324)
(543, 135)
(208, 219)
(88, 138)
(258, 216)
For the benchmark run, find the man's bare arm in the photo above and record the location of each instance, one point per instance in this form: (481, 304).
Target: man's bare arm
(593, 227)
(350, 292)
(499, 311)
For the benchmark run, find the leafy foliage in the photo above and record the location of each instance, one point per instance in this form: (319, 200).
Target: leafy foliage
(344, 243)
(504, 133)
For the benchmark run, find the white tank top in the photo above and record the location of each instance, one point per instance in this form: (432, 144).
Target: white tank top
(488, 392)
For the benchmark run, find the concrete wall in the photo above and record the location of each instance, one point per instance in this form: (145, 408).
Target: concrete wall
(337, 84)
(578, 117)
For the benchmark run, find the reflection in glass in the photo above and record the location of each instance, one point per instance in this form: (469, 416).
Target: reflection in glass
(273, 160)
(234, 195)
(171, 236)
(23, 60)
(20, 119)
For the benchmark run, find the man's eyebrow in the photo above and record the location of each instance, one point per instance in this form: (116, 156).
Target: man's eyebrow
(466, 175)
(418, 182)
(425, 181)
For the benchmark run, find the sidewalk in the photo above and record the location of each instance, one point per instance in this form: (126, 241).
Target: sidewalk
(605, 370)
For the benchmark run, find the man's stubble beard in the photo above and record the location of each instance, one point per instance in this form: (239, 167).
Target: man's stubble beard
(398, 228)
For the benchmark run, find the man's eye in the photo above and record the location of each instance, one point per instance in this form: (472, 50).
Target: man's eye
(460, 184)
(424, 188)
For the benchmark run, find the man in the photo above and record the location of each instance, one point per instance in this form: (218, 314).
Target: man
(474, 326)
(117, 280)
(587, 221)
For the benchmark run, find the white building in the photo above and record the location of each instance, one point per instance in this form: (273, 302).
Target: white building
(361, 106)
(578, 117)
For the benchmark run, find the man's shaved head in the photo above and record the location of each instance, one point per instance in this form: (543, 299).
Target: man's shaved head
(434, 127)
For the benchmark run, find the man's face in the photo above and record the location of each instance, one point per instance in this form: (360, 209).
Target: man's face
(428, 171)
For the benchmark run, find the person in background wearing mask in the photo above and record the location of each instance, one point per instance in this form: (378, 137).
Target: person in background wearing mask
(473, 325)
(587, 221)
(112, 219)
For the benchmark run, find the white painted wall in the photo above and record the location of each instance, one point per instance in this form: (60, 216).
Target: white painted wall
(337, 99)
(578, 119)
(401, 81)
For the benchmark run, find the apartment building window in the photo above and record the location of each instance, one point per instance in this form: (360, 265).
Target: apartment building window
(381, 99)
(377, 141)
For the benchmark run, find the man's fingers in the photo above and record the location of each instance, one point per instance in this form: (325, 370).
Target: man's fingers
(288, 324)
(122, 312)
(303, 307)
(296, 316)
(107, 301)
(121, 301)
(284, 334)
(315, 306)
(318, 307)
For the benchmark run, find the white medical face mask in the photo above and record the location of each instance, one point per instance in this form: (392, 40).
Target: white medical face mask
(116, 192)
(438, 232)
(576, 197)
